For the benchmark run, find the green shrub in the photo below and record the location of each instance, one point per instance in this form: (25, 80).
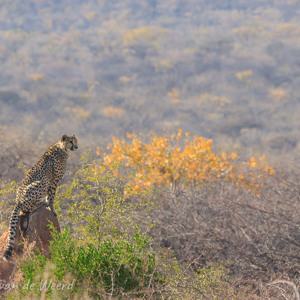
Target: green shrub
(97, 203)
(111, 267)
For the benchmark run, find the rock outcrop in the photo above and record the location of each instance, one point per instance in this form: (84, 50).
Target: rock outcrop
(33, 231)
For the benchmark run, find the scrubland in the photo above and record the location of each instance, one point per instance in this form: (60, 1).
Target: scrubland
(169, 217)
(186, 182)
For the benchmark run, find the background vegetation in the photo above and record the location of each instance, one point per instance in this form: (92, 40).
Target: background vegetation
(226, 70)
(226, 73)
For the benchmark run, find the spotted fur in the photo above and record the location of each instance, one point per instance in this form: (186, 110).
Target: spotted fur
(40, 181)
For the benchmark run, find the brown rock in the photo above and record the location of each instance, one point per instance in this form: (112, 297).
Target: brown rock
(33, 231)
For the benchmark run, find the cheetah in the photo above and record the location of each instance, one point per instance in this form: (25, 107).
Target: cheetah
(40, 181)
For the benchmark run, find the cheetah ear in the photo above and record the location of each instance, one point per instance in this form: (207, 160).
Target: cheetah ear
(64, 137)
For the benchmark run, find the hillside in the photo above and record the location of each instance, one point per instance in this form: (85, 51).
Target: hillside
(227, 70)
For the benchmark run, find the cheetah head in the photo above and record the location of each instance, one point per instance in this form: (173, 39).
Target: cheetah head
(69, 142)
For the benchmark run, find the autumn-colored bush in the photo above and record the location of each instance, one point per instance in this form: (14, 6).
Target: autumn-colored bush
(181, 159)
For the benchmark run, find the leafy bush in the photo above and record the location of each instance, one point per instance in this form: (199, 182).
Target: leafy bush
(111, 267)
(99, 203)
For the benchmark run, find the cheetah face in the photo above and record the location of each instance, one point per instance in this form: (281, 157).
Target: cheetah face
(69, 142)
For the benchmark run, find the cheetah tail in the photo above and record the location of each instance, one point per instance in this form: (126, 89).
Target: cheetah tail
(12, 232)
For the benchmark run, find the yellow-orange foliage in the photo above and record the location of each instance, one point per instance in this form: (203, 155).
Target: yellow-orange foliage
(288, 30)
(111, 111)
(215, 100)
(161, 162)
(78, 113)
(163, 65)
(278, 95)
(90, 16)
(149, 34)
(36, 76)
(244, 76)
(174, 95)
(126, 79)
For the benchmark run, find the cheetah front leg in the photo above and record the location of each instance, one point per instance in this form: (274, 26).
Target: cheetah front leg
(51, 194)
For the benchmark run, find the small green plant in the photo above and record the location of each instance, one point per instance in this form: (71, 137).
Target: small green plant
(99, 203)
(8, 191)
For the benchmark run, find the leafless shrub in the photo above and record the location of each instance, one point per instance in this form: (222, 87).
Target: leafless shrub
(257, 238)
